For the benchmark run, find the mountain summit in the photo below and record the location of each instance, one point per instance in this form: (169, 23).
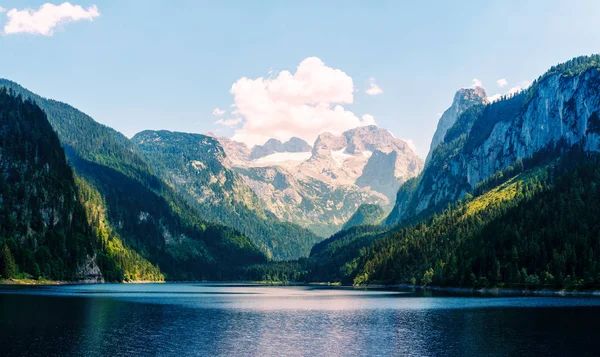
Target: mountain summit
(463, 100)
(273, 146)
(320, 187)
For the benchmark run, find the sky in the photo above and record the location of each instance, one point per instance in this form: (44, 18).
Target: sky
(258, 69)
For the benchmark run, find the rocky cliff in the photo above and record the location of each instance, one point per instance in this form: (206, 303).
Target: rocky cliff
(560, 108)
(463, 100)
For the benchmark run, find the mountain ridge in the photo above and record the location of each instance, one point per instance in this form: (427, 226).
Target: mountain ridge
(321, 189)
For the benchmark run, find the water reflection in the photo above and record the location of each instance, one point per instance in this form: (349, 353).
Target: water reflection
(240, 320)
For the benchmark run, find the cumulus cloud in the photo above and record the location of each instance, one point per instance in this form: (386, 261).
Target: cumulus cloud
(368, 119)
(218, 112)
(44, 20)
(476, 82)
(502, 83)
(411, 144)
(374, 89)
(303, 104)
(230, 123)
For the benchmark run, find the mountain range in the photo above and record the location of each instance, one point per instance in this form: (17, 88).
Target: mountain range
(507, 196)
(320, 186)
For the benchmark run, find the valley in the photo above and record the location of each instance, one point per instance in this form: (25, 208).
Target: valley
(356, 208)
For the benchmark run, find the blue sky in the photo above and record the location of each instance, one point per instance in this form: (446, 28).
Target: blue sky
(168, 64)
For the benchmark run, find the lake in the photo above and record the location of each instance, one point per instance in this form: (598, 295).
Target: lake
(252, 320)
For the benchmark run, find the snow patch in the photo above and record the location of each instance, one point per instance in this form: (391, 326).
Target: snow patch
(340, 156)
(283, 158)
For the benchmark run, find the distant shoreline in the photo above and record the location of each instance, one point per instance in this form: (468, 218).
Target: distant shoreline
(491, 291)
(465, 290)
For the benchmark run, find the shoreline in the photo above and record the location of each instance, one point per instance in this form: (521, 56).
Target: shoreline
(490, 291)
(496, 291)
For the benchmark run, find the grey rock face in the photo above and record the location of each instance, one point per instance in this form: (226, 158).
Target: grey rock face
(365, 165)
(378, 173)
(560, 108)
(273, 145)
(463, 100)
(296, 145)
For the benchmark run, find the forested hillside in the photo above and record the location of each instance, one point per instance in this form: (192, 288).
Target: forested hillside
(43, 229)
(533, 225)
(148, 216)
(539, 227)
(193, 165)
(366, 214)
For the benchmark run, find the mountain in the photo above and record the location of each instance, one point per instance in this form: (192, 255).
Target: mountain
(508, 199)
(463, 100)
(43, 228)
(197, 168)
(140, 218)
(538, 228)
(321, 188)
(365, 215)
(273, 146)
(560, 109)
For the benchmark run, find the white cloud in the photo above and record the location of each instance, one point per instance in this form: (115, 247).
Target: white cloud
(411, 144)
(368, 119)
(374, 89)
(502, 83)
(476, 82)
(218, 112)
(44, 20)
(2, 9)
(494, 97)
(514, 90)
(229, 122)
(303, 104)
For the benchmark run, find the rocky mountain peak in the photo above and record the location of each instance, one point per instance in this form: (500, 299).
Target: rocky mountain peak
(296, 145)
(463, 100)
(470, 95)
(272, 146)
(236, 152)
(326, 143)
(371, 138)
(322, 186)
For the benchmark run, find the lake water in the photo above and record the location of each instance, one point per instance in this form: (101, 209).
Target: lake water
(248, 320)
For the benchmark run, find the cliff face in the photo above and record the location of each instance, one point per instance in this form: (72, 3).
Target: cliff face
(561, 107)
(463, 100)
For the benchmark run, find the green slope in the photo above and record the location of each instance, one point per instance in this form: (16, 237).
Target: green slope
(147, 214)
(43, 231)
(538, 228)
(193, 165)
(366, 214)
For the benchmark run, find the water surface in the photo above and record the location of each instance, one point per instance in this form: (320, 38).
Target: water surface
(251, 320)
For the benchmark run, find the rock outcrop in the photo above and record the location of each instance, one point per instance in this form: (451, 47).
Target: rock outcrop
(463, 100)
